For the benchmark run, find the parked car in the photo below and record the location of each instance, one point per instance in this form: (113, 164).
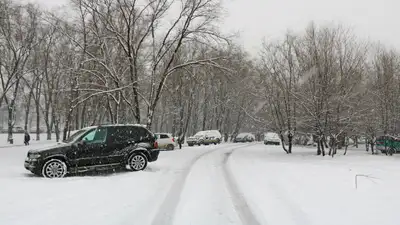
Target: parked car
(244, 137)
(205, 138)
(96, 148)
(388, 144)
(18, 129)
(196, 139)
(166, 141)
(271, 138)
(41, 129)
(212, 137)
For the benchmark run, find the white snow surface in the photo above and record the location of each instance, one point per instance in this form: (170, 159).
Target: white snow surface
(247, 184)
(19, 139)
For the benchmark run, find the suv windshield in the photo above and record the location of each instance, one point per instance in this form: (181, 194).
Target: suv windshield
(75, 136)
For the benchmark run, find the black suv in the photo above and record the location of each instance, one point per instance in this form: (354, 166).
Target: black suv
(96, 148)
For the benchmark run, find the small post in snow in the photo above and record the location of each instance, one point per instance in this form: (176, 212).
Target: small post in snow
(362, 175)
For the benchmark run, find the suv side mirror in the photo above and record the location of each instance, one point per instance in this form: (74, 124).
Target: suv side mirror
(81, 143)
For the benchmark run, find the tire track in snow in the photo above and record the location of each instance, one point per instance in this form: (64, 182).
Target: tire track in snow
(242, 208)
(166, 212)
(297, 214)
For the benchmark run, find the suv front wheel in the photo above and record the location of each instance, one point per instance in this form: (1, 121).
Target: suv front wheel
(137, 162)
(54, 168)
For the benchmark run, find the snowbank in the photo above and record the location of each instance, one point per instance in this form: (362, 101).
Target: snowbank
(303, 188)
(113, 198)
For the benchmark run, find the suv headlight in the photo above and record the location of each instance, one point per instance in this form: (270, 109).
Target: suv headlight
(34, 155)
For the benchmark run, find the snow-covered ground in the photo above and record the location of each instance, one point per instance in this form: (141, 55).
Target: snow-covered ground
(307, 189)
(226, 184)
(19, 140)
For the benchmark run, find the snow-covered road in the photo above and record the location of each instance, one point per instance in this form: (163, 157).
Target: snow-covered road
(247, 184)
(167, 192)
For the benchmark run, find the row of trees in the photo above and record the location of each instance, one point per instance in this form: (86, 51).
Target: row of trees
(326, 82)
(165, 64)
(162, 63)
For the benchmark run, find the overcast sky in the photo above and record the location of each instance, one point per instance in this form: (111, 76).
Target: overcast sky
(376, 20)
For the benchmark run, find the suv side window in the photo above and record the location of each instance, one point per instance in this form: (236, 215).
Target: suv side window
(96, 136)
(164, 136)
(89, 136)
(144, 134)
(118, 134)
(138, 133)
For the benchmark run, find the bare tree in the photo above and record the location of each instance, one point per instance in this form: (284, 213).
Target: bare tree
(17, 34)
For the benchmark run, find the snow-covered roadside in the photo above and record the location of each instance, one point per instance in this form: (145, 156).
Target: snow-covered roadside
(121, 198)
(19, 140)
(190, 186)
(306, 189)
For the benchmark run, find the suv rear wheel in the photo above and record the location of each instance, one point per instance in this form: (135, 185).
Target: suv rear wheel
(54, 168)
(170, 147)
(137, 162)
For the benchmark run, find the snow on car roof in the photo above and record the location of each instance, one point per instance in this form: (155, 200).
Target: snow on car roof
(85, 128)
(163, 134)
(200, 133)
(244, 134)
(127, 124)
(108, 125)
(271, 134)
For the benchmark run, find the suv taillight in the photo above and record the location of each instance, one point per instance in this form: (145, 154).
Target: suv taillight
(155, 144)
(173, 139)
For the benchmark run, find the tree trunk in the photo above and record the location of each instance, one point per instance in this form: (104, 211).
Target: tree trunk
(46, 114)
(110, 111)
(204, 116)
(48, 131)
(283, 142)
(290, 142)
(49, 124)
(345, 149)
(37, 122)
(10, 123)
(372, 147)
(76, 120)
(83, 113)
(134, 79)
(189, 116)
(150, 115)
(356, 141)
(322, 148)
(334, 145)
(50, 128)
(67, 124)
(27, 109)
(57, 130)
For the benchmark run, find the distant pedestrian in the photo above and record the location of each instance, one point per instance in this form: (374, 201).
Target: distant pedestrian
(27, 138)
(180, 142)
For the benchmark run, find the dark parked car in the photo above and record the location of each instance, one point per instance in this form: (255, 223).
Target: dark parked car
(96, 148)
(388, 144)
